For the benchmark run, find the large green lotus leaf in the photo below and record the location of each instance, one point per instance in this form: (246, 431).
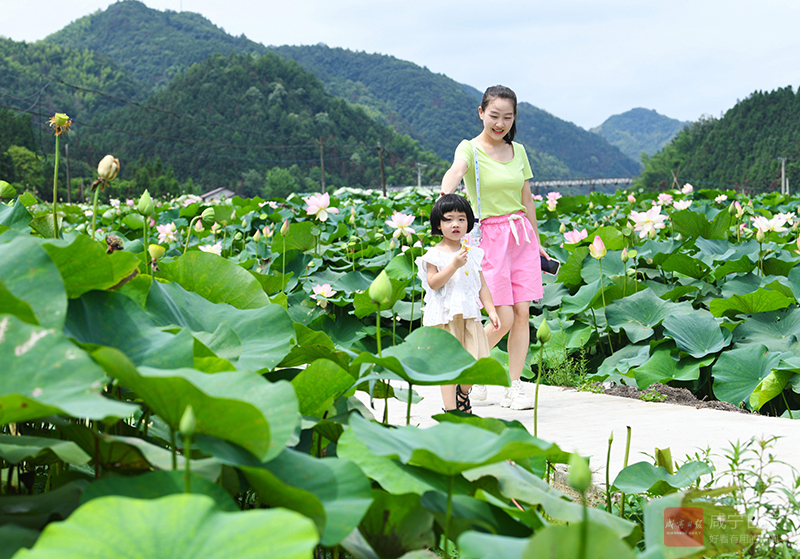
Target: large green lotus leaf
(114, 320)
(479, 545)
(266, 334)
(741, 285)
(569, 273)
(686, 265)
(441, 448)
(30, 275)
(397, 524)
(36, 511)
(154, 485)
(470, 513)
(9, 304)
(44, 373)
(697, 335)
(224, 340)
(564, 542)
(15, 538)
(779, 330)
(333, 492)
(431, 356)
(298, 237)
(664, 367)
(515, 482)
(772, 385)
(762, 300)
(738, 372)
(216, 279)
(84, 264)
(16, 217)
(622, 360)
(612, 266)
(639, 313)
(588, 296)
(394, 477)
(41, 450)
(693, 224)
(319, 385)
(643, 476)
(174, 527)
(239, 407)
(744, 265)
(311, 346)
(400, 268)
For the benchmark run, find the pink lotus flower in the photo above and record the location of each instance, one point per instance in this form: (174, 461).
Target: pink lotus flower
(682, 204)
(167, 233)
(538, 198)
(631, 199)
(687, 188)
(401, 223)
(552, 200)
(775, 224)
(597, 249)
(216, 248)
(319, 206)
(645, 222)
(575, 236)
(665, 199)
(322, 293)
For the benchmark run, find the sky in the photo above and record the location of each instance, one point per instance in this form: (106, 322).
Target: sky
(581, 60)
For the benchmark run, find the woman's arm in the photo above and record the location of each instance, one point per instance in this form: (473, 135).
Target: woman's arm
(452, 178)
(530, 212)
(488, 303)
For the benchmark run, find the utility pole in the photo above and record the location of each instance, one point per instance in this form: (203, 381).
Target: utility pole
(383, 174)
(69, 185)
(419, 174)
(784, 186)
(322, 162)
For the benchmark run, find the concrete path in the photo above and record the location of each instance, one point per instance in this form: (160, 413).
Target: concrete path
(582, 422)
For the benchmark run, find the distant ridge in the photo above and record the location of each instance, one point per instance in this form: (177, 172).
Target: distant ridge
(639, 130)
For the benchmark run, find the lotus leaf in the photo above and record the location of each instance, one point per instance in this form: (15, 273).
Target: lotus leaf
(639, 313)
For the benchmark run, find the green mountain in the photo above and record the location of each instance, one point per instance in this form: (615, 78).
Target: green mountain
(429, 107)
(740, 149)
(639, 130)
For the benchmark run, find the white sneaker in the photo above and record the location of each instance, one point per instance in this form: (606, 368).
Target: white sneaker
(516, 398)
(478, 393)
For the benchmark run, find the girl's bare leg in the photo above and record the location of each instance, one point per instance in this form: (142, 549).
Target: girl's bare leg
(449, 396)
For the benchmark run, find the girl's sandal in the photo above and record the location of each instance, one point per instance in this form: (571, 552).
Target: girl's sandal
(462, 400)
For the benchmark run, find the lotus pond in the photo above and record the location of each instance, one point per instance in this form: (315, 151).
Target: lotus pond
(178, 379)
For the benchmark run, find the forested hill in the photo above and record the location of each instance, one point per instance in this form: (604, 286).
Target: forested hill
(230, 117)
(639, 130)
(740, 149)
(429, 107)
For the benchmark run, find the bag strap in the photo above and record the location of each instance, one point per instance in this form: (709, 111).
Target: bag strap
(477, 178)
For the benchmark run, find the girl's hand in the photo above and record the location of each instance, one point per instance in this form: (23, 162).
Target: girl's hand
(495, 320)
(460, 259)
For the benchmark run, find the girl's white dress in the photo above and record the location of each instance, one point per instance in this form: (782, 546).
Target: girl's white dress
(459, 296)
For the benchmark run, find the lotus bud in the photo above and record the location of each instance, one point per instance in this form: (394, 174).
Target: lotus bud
(267, 231)
(353, 215)
(146, 206)
(652, 234)
(760, 235)
(611, 437)
(198, 226)
(580, 476)
(625, 256)
(285, 227)
(597, 249)
(188, 423)
(156, 251)
(209, 216)
(257, 236)
(237, 236)
(216, 228)
(380, 291)
(392, 244)
(562, 229)
(795, 227)
(6, 190)
(732, 208)
(543, 332)
(678, 237)
(591, 205)
(108, 168)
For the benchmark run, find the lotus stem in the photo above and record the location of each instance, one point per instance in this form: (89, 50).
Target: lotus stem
(608, 473)
(625, 465)
(536, 395)
(584, 528)
(94, 210)
(283, 263)
(55, 193)
(447, 517)
(408, 409)
(187, 454)
(174, 449)
(603, 295)
(189, 232)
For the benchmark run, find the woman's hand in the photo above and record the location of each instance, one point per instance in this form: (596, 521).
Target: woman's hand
(495, 319)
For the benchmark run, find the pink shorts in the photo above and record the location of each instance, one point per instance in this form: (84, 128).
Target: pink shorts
(511, 262)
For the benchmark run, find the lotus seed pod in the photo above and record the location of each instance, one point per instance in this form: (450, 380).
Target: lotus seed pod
(188, 422)
(543, 332)
(380, 291)
(156, 251)
(108, 168)
(580, 477)
(6, 190)
(632, 254)
(146, 206)
(60, 119)
(209, 216)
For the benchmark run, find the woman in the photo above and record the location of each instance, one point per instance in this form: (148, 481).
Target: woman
(509, 233)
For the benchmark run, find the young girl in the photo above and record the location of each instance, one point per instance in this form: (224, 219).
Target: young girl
(453, 281)
(510, 236)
